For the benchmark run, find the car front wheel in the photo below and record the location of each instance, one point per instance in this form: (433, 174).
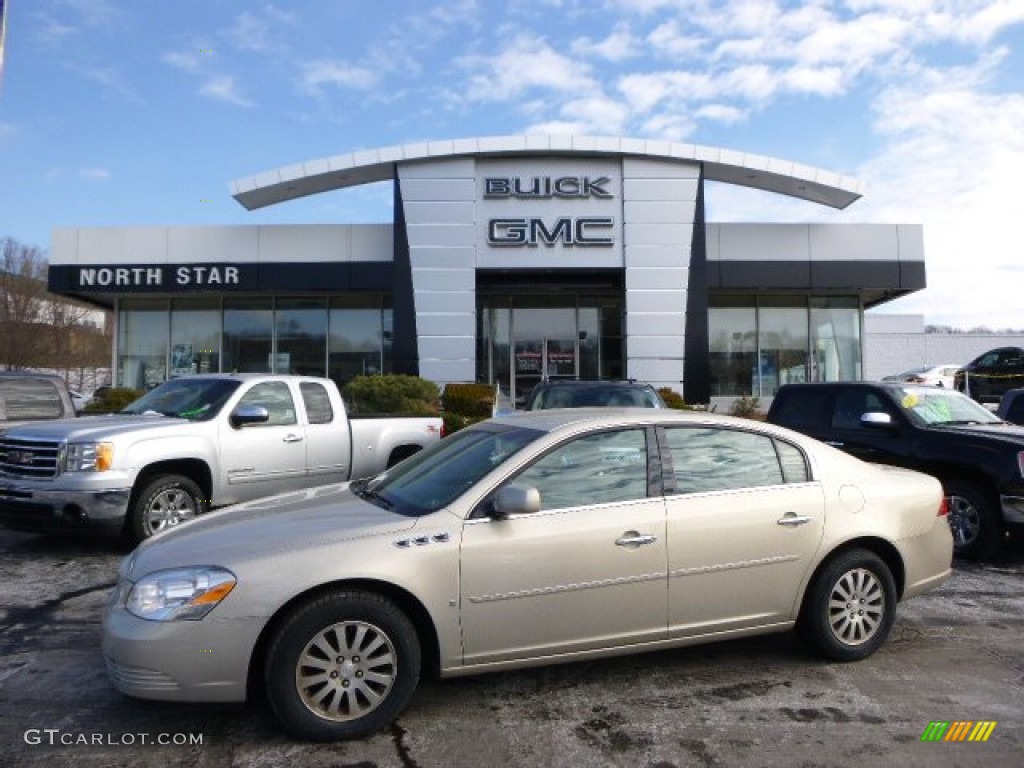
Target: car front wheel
(164, 502)
(342, 666)
(850, 607)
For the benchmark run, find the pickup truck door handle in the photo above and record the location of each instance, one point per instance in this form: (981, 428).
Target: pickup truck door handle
(293, 438)
(634, 539)
(793, 519)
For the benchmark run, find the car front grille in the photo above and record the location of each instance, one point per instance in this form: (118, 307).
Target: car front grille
(37, 459)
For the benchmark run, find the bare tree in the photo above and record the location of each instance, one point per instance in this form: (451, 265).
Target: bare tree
(23, 304)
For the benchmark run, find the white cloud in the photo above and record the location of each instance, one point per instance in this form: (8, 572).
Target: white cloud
(669, 40)
(94, 174)
(721, 113)
(257, 30)
(223, 88)
(185, 61)
(618, 46)
(526, 63)
(339, 74)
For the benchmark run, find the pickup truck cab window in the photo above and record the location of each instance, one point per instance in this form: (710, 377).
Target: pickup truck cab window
(317, 402)
(852, 404)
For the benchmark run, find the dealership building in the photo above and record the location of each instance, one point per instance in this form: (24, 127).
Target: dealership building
(508, 260)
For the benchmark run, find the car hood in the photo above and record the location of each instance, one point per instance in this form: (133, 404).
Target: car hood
(289, 523)
(93, 427)
(1009, 433)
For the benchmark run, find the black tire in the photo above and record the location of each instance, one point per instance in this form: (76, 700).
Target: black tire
(850, 607)
(352, 694)
(163, 502)
(974, 518)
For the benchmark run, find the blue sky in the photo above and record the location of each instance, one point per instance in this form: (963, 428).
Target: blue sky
(138, 112)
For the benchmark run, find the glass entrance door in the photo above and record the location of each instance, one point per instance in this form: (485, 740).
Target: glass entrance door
(537, 360)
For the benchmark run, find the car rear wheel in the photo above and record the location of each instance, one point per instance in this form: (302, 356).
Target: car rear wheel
(342, 666)
(850, 607)
(164, 502)
(976, 523)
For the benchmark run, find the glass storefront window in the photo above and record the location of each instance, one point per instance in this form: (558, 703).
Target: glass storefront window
(248, 335)
(835, 339)
(301, 327)
(356, 338)
(142, 332)
(757, 344)
(732, 346)
(195, 336)
(782, 342)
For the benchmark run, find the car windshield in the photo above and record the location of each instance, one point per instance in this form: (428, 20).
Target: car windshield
(435, 477)
(936, 407)
(192, 399)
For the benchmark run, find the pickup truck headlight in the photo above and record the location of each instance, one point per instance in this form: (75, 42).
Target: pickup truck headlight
(88, 457)
(179, 594)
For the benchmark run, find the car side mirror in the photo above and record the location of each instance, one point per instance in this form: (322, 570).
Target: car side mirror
(514, 500)
(877, 420)
(248, 414)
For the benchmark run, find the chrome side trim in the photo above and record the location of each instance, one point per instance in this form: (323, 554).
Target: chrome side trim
(733, 566)
(567, 588)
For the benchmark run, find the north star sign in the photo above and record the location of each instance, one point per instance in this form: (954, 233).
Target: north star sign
(172, 277)
(586, 231)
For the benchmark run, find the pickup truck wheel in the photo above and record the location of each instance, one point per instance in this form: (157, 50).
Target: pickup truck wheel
(850, 607)
(974, 519)
(164, 502)
(342, 666)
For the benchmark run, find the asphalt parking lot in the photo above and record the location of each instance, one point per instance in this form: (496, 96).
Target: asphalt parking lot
(954, 655)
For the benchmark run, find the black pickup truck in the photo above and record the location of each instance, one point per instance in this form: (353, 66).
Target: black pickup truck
(978, 457)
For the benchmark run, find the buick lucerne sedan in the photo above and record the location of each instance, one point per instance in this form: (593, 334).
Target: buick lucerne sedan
(535, 538)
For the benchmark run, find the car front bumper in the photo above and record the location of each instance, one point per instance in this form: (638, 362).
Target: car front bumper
(201, 661)
(27, 507)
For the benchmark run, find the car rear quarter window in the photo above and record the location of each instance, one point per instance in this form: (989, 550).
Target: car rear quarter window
(793, 462)
(713, 459)
(595, 469)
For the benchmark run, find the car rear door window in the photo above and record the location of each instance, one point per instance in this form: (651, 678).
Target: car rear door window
(715, 459)
(599, 468)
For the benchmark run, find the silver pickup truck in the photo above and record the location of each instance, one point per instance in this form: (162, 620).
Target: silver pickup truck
(192, 444)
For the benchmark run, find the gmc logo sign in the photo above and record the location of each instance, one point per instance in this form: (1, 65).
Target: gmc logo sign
(583, 231)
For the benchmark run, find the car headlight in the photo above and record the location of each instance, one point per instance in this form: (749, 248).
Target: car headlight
(88, 457)
(185, 594)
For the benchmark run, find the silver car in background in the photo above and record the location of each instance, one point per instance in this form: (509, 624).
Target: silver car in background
(536, 538)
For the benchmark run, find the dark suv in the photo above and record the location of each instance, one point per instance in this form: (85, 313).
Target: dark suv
(572, 393)
(978, 457)
(988, 377)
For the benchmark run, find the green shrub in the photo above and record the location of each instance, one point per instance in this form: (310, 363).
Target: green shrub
(472, 400)
(747, 407)
(674, 400)
(113, 400)
(394, 393)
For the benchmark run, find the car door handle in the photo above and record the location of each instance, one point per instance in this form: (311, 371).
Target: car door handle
(793, 519)
(834, 443)
(292, 438)
(634, 539)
